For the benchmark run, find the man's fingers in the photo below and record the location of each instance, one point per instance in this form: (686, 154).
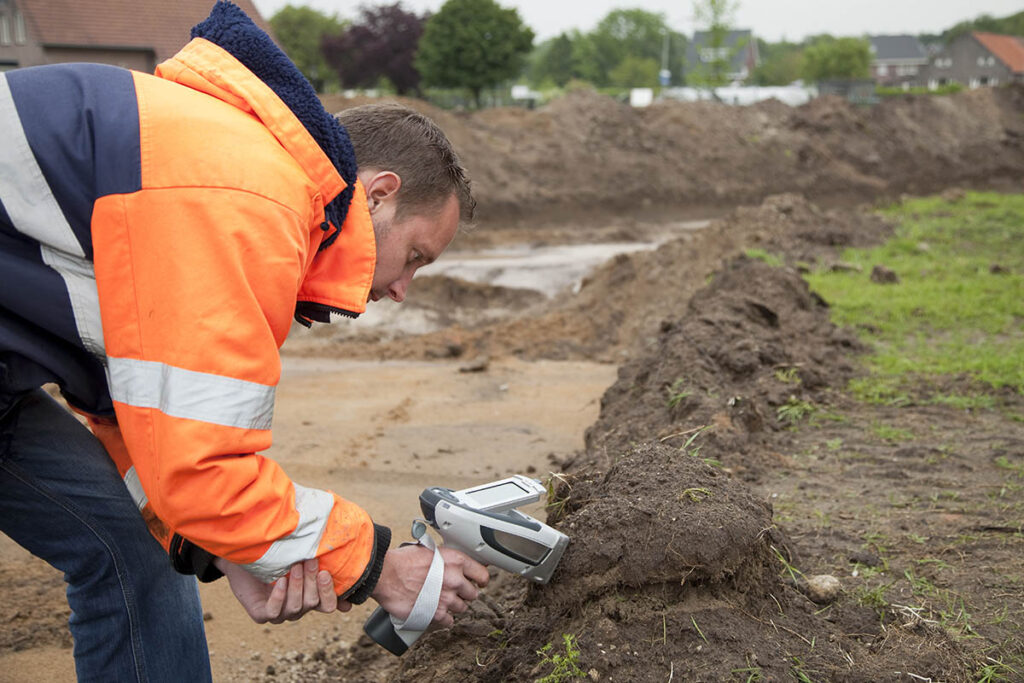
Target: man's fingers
(468, 592)
(443, 618)
(293, 602)
(310, 586)
(325, 591)
(475, 572)
(275, 602)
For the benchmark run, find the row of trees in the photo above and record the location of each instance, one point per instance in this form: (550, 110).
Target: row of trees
(477, 44)
(467, 44)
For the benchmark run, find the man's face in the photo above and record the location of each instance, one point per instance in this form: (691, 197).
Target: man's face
(405, 245)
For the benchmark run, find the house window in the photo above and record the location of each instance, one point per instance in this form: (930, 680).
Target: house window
(5, 30)
(883, 70)
(994, 81)
(991, 61)
(19, 28)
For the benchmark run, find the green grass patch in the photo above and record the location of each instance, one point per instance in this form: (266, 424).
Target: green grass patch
(762, 255)
(564, 667)
(958, 308)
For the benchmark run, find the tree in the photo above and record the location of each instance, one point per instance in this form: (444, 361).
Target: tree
(715, 58)
(780, 63)
(836, 58)
(553, 62)
(473, 44)
(633, 34)
(635, 72)
(299, 32)
(1012, 25)
(381, 44)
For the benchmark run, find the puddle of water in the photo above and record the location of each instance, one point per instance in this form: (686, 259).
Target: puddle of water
(551, 270)
(546, 269)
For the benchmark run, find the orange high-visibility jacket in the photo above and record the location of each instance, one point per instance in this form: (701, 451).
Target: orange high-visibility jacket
(157, 235)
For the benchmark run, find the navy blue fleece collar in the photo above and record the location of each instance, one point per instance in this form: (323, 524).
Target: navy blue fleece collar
(231, 29)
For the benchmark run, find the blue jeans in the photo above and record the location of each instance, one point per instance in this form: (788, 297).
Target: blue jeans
(133, 618)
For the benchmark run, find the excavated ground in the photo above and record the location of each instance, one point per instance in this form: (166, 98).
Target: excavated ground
(697, 513)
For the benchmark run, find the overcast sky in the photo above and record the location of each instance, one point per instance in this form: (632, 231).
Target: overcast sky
(771, 20)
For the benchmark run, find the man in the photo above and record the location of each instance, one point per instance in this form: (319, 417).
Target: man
(157, 235)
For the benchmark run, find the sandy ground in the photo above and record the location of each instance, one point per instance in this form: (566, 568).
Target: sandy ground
(378, 433)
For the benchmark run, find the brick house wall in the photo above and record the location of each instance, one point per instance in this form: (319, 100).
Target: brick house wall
(966, 62)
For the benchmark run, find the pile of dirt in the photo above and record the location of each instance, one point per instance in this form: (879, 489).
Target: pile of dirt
(677, 568)
(751, 343)
(619, 307)
(586, 154)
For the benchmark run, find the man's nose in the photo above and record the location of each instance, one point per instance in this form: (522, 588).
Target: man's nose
(398, 288)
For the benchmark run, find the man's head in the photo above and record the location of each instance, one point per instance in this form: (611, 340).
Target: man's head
(416, 189)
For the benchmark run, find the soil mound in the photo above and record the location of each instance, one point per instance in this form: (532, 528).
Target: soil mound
(675, 567)
(749, 350)
(451, 294)
(586, 154)
(619, 307)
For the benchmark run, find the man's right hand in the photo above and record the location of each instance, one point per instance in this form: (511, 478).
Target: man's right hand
(405, 570)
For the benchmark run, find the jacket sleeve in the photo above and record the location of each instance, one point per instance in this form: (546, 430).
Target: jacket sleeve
(197, 287)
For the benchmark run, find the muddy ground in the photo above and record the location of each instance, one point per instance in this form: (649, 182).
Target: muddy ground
(697, 510)
(701, 509)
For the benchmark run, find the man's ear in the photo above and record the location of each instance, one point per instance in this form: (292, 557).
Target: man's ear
(381, 188)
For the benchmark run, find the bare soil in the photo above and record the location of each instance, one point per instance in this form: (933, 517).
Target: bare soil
(697, 510)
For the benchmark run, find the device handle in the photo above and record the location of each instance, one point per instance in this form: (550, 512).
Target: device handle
(396, 635)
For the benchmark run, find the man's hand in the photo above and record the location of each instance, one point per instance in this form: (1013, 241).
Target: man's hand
(287, 599)
(405, 569)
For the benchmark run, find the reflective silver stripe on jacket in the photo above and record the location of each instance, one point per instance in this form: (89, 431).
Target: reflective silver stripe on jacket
(131, 480)
(314, 507)
(191, 395)
(34, 211)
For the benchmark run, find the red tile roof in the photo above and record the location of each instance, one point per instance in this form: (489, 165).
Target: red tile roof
(161, 25)
(1008, 49)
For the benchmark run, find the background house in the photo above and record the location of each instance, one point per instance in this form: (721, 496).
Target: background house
(738, 47)
(976, 59)
(896, 60)
(137, 34)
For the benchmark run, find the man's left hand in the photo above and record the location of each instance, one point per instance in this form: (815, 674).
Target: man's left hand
(300, 591)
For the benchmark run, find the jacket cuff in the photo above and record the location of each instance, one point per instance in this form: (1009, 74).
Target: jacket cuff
(188, 558)
(360, 592)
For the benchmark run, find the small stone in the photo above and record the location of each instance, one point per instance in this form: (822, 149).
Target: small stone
(207, 616)
(883, 276)
(843, 267)
(823, 588)
(478, 365)
(868, 559)
(594, 676)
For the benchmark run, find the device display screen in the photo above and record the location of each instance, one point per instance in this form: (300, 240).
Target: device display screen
(488, 497)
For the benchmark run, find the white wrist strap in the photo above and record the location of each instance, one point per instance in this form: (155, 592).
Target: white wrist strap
(422, 614)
